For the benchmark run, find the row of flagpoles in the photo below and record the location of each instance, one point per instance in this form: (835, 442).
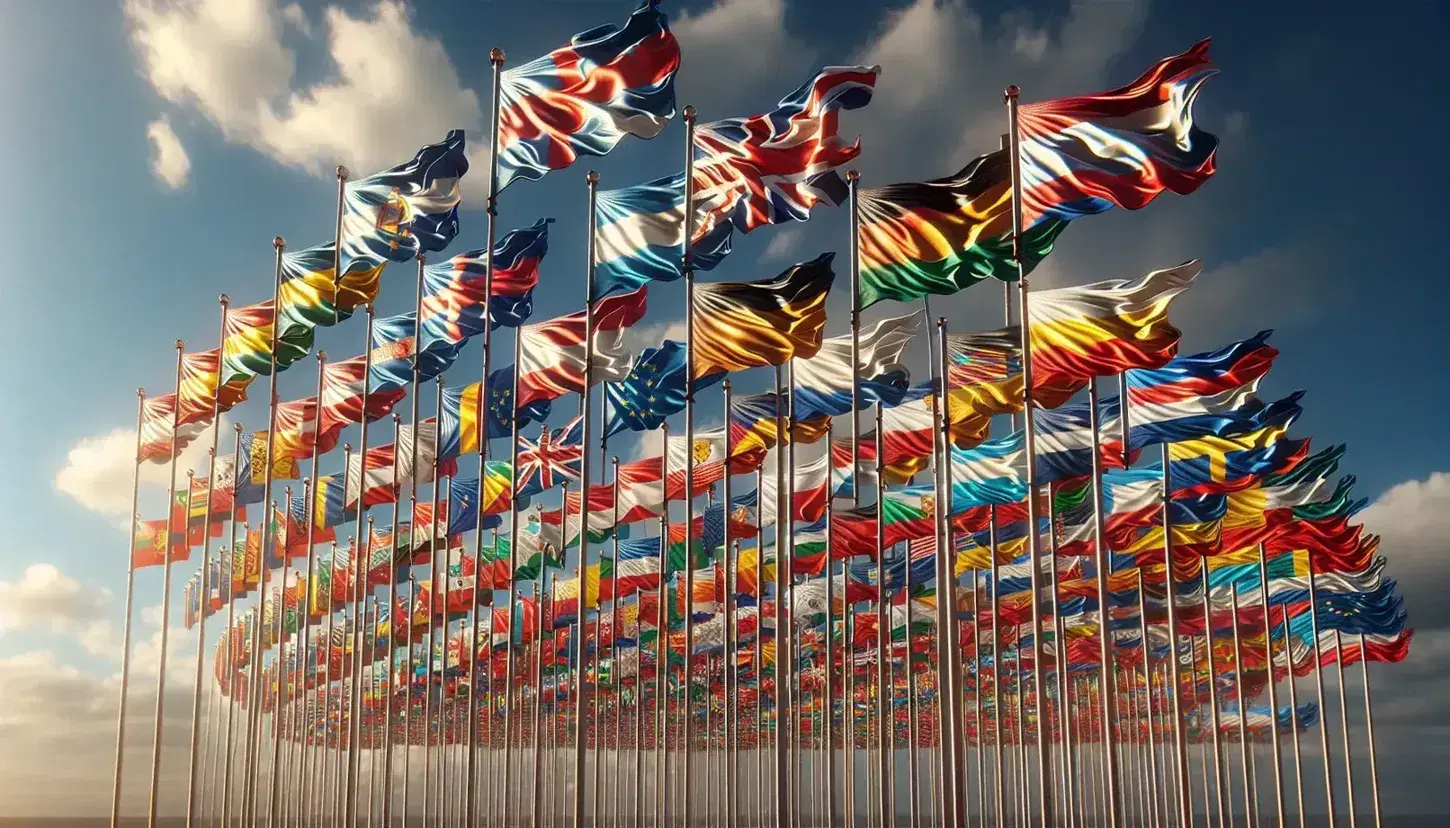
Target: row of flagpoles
(996, 724)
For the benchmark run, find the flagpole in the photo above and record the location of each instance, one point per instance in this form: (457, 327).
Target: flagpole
(883, 650)
(1154, 813)
(1180, 740)
(1273, 685)
(999, 795)
(408, 689)
(513, 564)
(191, 791)
(1218, 769)
(226, 796)
(581, 687)
(788, 756)
(662, 637)
(130, 604)
(393, 625)
(438, 595)
(1033, 545)
(1374, 773)
(758, 656)
(729, 678)
(828, 713)
(616, 677)
(1319, 685)
(950, 795)
(1249, 809)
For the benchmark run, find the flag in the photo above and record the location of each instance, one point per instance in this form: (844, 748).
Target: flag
(200, 378)
(402, 211)
(342, 395)
(390, 467)
(639, 236)
(938, 237)
(741, 325)
(309, 295)
(1224, 464)
(553, 461)
(460, 413)
(247, 343)
(149, 548)
(454, 302)
(330, 502)
(159, 427)
(1201, 375)
(771, 168)
(823, 383)
(992, 473)
(583, 98)
(653, 390)
(551, 354)
(808, 493)
(1107, 327)
(297, 435)
(1083, 155)
(395, 353)
(985, 369)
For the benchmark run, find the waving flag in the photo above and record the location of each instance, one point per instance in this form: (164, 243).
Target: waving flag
(454, 302)
(553, 461)
(582, 99)
(986, 368)
(938, 237)
(1224, 464)
(1201, 375)
(342, 395)
(247, 343)
(639, 236)
(753, 427)
(1107, 327)
(159, 427)
(395, 351)
(1122, 148)
(741, 325)
(992, 473)
(551, 354)
(823, 382)
(402, 211)
(297, 435)
(310, 297)
(200, 385)
(808, 496)
(653, 390)
(772, 168)
(461, 408)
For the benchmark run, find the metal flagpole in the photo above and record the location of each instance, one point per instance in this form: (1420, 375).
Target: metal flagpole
(1294, 705)
(976, 709)
(662, 634)
(312, 518)
(1180, 740)
(1218, 769)
(581, 687)
(788, 753)
(1273, 686)
(130, 604)
(274, 801)
(191, 790)
(1034, 552)
(166, 589)
(828, 714)
(1319, 686)
(731, 551)
(999, 796)
(1343, 725)
(408, 695)
(1374, 773)
(885, 803)
(1250, 811)
(1104, 564)
(615, 673)
(470, 820)
(758, 656)
(438, 600)
(394, 623)
(1155, 814)
(513, 597)
(536, 804)
(689, 574)
(232, 644)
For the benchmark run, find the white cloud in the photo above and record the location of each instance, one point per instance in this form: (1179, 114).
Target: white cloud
(783, 244)
(46, 597)
(98, 471)
(650, 336)
(732, 51)
(1413, 520)
(169, 161)
(392, 89)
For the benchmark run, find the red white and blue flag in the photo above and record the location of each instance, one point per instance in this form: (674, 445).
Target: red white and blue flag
(454, 300)
(1122, 148)
(553, 461)
(342, 395)
(551, 354)
(767, 169)
(583, 98)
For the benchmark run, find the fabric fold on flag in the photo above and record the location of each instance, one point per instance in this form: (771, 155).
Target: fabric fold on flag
(412, 208)
(653, 390)
(552, 353)
(583, 98)
(741, 325)
(823, 382)
(454, 303)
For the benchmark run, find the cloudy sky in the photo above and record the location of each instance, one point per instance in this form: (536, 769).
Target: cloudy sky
(154, 148)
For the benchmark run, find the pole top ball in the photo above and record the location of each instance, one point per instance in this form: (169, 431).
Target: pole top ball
(1011, 92)
(345, 446)
(237, 427)
(592, 177)
(422, 259)
(341, 173)
(190, 473)
(941, 321)
(853, 174)
(140, 392)
(689, 113)
(614, 459)
(495, 55)
(224, 300)
(725, 384)
(278, 242)
(321, 356)
(180, 345)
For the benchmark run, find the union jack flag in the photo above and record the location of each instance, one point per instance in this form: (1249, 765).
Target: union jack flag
(768, 168)
(553, 461)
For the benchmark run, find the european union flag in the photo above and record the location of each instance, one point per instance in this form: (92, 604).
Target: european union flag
(653, 390)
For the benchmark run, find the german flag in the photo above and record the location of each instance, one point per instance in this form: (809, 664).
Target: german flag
(940, 236)
(740, 325)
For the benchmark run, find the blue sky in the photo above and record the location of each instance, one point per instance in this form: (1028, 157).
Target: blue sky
(1322, 223)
